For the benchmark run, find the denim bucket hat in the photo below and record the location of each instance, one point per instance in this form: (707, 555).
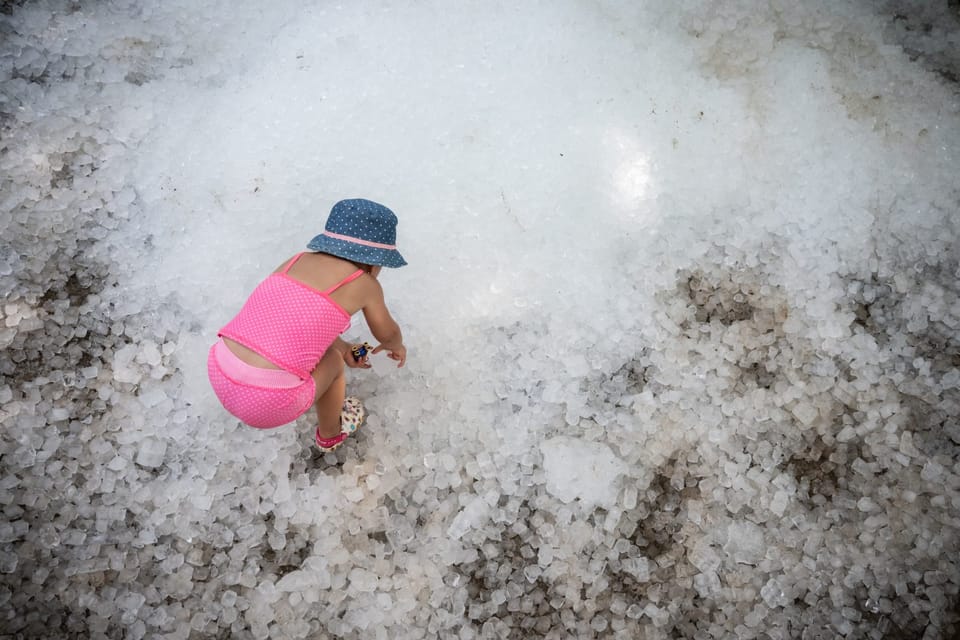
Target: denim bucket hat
(360, 231)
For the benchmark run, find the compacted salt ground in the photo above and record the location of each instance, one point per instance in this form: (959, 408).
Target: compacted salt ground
(682, 311)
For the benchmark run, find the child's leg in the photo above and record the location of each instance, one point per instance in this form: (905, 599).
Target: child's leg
(331, 388)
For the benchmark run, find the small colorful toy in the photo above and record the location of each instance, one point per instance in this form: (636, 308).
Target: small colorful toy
(360, 351)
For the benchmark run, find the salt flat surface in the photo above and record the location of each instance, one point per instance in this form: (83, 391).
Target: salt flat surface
(710, 247)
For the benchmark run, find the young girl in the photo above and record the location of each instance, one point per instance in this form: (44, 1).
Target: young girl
(282, 352)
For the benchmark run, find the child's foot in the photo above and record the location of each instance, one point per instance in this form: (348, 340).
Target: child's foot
(350, 420)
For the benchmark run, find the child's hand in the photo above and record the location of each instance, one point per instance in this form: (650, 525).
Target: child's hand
(399, 354)
(352, 362)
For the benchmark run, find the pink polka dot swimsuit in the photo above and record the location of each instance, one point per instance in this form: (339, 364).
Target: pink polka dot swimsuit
(290, 324)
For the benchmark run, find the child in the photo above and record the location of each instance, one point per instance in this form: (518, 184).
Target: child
(282, 352)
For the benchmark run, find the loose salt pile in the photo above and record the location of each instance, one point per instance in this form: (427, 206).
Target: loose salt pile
(682, 311)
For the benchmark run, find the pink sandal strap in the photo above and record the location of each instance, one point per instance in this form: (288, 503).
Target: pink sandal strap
(329, 444)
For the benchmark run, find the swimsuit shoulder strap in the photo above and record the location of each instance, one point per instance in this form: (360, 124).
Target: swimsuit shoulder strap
(350, 278)
(292, 260)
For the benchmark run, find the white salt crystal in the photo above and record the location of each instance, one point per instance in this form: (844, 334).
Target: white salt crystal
(581, 470)
(90, 372)
(152, 398)
(7, 532)
(805, 412)
(745, 542)
(599, 623)
(202, 501)
(448, 462)
(779, 502)
(363, 580)
(755, 617)
(629, 500)
(545, 556)
(951, 379)
(151, 452)
(149, 353)
(400, 532)
(611, 520)
(353, 494)
(298, 580)
(131, 601)
(575, 365)
(638, 567)
(659, 617)
(932, 471)
(772, 594)
(123, 368)
(8, 562)
(473, 515)
(703, 557)
(847, 434)
(707, 584)
(532, 572)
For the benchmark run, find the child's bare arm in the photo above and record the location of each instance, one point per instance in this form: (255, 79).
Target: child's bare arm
(384, 328)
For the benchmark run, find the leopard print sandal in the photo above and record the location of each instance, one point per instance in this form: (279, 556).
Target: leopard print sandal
(351, 417)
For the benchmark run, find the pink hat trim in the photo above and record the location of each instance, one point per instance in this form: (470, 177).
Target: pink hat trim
(365, 243)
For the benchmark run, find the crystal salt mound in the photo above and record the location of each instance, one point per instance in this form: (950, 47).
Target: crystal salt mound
(579, 469)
